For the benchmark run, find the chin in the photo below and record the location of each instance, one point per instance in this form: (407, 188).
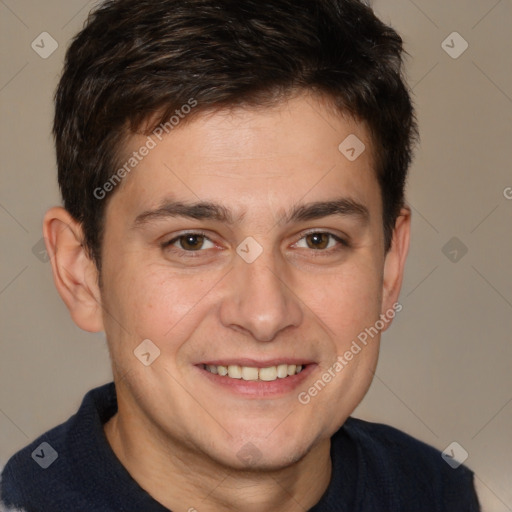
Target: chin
(254, 460)
(257, 453)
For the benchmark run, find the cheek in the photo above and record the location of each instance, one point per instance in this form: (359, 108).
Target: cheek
(346, 301)
(157, 303)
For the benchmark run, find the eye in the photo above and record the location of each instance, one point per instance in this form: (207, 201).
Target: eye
(320, 241)
(190, 242)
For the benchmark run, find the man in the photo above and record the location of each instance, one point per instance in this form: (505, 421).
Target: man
(234, 220)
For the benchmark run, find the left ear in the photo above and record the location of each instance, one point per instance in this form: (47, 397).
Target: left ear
(394, 262)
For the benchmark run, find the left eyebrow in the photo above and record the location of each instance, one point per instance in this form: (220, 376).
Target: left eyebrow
(345, 207)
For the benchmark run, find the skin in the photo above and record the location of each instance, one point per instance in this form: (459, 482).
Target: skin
(177, 432)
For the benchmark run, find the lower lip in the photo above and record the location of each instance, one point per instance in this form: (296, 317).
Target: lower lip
(259, 388)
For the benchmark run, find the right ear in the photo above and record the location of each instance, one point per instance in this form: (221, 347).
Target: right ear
(74, 272)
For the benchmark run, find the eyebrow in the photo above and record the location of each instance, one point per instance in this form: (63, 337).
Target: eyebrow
(345, 207)
(199, 211)
(206, 210)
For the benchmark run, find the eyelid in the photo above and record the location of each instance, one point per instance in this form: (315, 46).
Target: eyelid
(177, 236)
(341, 239)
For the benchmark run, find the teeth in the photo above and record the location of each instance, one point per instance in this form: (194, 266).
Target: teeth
(249, 373)
(235, 371)
(282, 371)
(268, 374)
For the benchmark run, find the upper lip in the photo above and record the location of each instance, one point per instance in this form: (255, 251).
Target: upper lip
(253, 363)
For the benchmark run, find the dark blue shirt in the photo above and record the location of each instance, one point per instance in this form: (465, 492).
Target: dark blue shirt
(376, 468)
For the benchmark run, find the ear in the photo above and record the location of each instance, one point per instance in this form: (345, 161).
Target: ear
(74, 273)
(394, 263)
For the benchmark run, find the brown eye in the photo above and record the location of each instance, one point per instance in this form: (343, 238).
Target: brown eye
(191, 242)
(188, 243)
(322, 241)
(318, 240)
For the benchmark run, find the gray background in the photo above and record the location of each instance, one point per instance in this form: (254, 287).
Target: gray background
(445, 369)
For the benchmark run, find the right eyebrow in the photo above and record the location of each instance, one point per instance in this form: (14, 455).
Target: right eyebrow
(199, 211)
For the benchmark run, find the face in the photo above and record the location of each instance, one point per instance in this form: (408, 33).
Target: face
(245, 242)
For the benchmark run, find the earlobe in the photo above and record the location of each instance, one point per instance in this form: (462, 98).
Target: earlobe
(394, 264)
(74, 273)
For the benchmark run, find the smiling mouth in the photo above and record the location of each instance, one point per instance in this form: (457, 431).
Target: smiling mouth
(250, 373)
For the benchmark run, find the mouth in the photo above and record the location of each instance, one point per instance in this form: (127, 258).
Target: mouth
(257, 379)
(253, 373)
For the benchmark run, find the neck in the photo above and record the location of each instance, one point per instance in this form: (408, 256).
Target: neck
(183, 479)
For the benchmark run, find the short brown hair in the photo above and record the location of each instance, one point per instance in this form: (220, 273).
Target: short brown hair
(137, 61)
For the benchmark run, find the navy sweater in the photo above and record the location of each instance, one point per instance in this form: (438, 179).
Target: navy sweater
(376, 468)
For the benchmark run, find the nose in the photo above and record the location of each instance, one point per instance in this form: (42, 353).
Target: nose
(258, 300)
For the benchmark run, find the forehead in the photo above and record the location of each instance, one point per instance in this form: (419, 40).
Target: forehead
(298, 149)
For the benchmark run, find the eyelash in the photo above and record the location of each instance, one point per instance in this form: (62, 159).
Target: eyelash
(343, 244)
